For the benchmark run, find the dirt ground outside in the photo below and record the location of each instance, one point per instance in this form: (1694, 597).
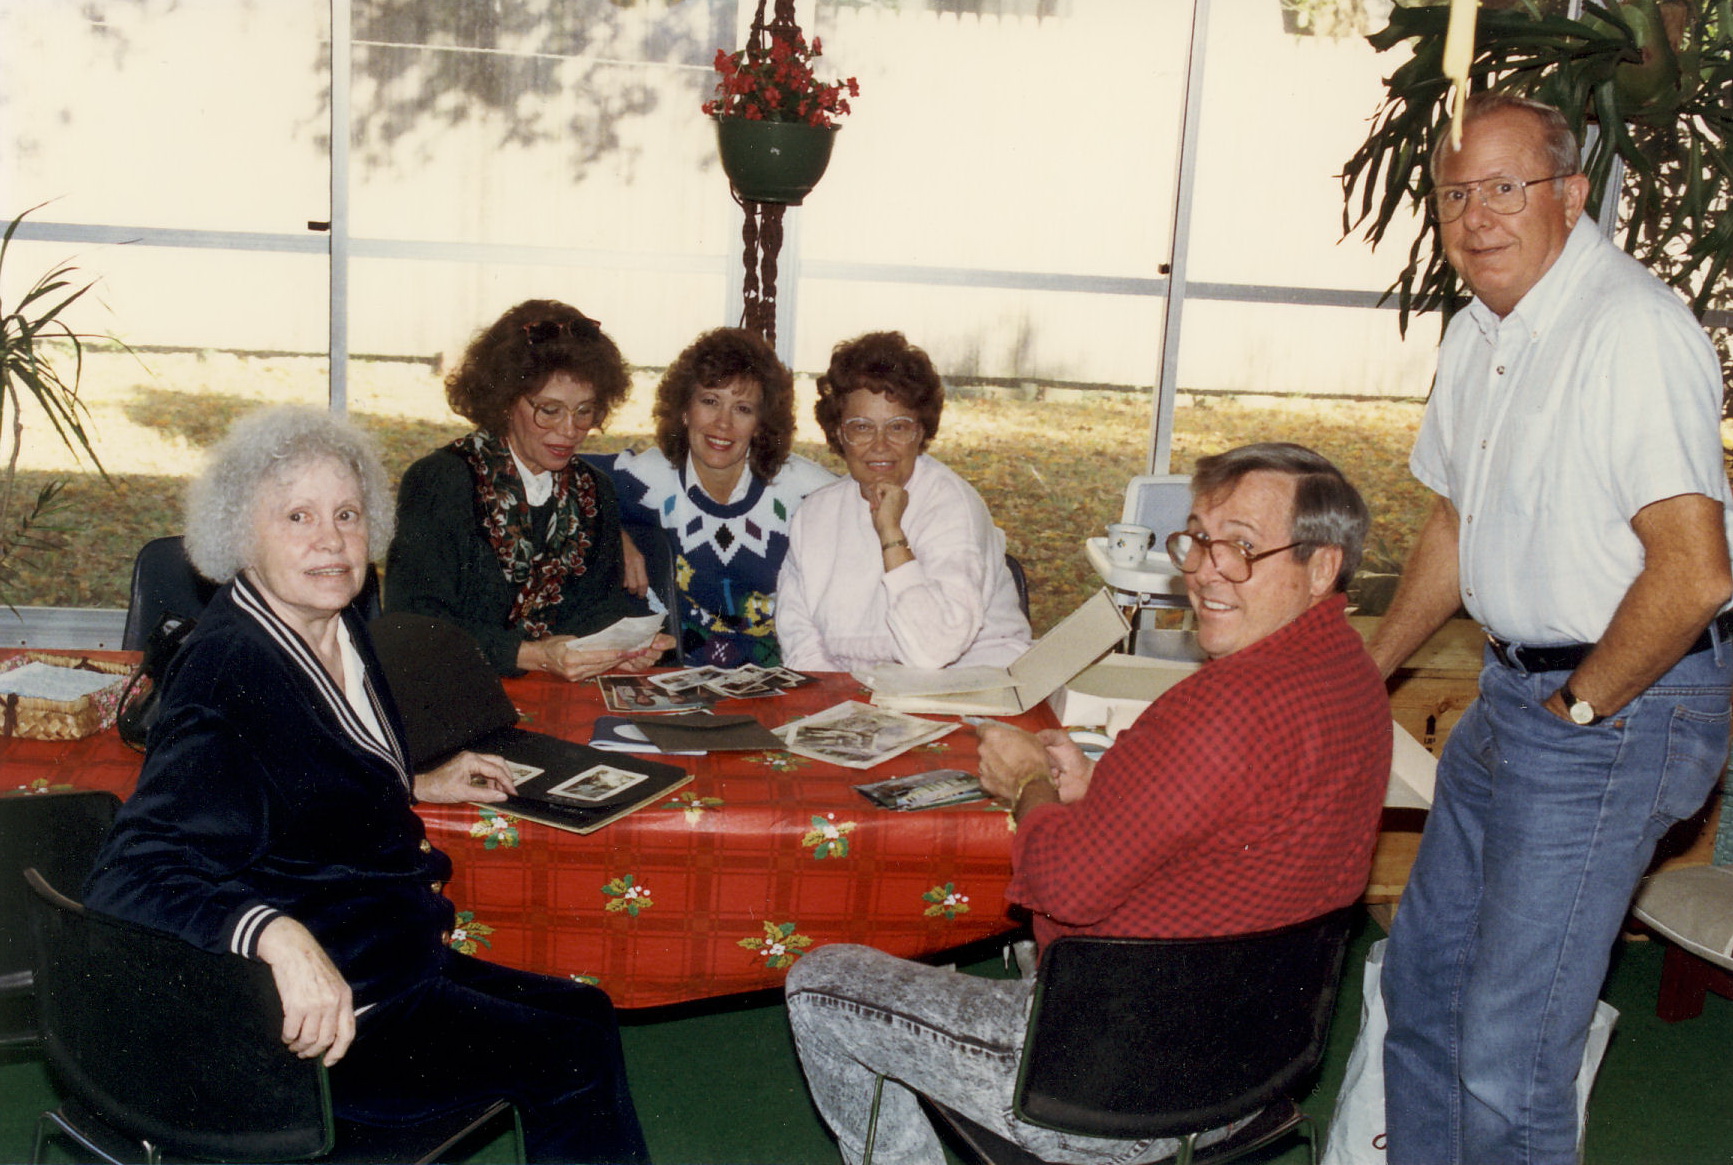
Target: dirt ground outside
(1053, 471)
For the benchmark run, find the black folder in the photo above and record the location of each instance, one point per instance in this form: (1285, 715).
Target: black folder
(451, 699)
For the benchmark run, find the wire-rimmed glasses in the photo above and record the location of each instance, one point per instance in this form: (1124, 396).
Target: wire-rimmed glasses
(1500, 194)
(1187, 551)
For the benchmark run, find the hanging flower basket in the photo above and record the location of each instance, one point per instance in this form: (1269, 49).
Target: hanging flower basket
(773, 161)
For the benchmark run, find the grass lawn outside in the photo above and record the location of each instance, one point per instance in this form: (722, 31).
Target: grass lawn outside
(1053, 471)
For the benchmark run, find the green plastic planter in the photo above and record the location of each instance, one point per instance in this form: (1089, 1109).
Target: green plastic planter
(773, 161)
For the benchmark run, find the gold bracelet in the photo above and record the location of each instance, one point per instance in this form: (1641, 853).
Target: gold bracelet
(903, 542)
(1028, 780)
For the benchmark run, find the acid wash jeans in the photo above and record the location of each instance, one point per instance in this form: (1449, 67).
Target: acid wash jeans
(858, 1012)
(1537, 838)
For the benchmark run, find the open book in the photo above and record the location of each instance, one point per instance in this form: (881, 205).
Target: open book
(1077, 641)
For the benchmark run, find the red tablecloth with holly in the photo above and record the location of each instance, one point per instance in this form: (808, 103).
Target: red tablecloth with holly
(718, 889)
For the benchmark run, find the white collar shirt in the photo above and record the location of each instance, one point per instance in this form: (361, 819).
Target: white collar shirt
(538, 487)
(742, 484)
(1549, 429)
(355, 684)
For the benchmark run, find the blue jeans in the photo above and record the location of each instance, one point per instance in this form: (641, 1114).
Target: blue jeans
(1537, 838)
(858, 1012)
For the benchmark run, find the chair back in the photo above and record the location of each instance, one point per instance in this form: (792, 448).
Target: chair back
(59, 833)
(658, 551)
(1164, 1037)
(165, 583)
(169, 1043)
(1160, 501)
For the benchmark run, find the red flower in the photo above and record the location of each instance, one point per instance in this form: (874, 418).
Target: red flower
(777, 84)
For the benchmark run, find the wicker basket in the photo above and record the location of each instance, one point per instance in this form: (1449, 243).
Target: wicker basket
(62, 719)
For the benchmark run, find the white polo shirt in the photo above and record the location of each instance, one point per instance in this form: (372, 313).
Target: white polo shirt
(1549, 429)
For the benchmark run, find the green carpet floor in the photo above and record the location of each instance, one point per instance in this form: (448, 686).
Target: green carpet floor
(722, 1086)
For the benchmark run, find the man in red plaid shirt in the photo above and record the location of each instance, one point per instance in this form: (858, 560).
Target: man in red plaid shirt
(1246, 798)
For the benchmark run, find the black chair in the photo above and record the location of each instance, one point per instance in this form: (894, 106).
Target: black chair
(59, 834)
(658, 551)
(1021, 581)
(165, 583)
(157, 1046)
(1135, 1038)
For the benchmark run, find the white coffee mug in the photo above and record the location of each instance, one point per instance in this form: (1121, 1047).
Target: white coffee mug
(1128, 543)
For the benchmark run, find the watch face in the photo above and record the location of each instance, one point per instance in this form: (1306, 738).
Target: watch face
(1581, 712)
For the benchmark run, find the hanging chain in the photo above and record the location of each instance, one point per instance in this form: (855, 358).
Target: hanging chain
(762, 232)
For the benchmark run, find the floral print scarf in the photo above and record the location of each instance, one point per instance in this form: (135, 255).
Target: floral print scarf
(538, 576)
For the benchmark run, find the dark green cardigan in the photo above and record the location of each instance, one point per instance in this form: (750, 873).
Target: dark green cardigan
(442, 564)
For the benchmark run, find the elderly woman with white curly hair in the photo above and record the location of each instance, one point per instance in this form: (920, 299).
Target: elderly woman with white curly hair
(274, 819)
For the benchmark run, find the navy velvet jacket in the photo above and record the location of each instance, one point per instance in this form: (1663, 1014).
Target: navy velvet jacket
(262, 794)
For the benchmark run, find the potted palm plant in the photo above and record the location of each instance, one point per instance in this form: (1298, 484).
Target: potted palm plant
(1651, 76)
(775, 120)
(34, 338)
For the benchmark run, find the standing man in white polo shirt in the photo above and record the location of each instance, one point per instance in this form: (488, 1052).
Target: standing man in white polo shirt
(1573, 440)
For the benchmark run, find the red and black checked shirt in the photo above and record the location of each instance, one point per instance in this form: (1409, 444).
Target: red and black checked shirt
(1247, 797)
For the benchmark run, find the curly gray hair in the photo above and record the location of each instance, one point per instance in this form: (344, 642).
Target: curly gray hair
(263, 448)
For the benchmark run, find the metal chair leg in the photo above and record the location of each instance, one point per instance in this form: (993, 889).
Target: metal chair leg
(873, 1121)
(41, 1136)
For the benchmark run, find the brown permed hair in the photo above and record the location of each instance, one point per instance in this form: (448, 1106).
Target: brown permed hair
(886, 363)
(502, 364)
(711, 361)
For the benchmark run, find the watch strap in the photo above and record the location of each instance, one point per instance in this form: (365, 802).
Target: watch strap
(1573, 702)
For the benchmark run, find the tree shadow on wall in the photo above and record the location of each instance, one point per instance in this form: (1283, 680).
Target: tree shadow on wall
(519, 65)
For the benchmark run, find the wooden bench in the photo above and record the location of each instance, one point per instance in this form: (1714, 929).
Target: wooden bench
(1428, 695)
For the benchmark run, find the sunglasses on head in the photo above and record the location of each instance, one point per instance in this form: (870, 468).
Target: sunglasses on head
(547, 331)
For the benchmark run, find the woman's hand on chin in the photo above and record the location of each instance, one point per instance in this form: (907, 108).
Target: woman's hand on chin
(318, 1009)
(468, 776)
(887, 500)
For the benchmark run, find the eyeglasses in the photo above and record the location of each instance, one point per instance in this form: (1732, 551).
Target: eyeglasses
(551, 415)
(1187, 551)
(547, 331)
(1499, 194)
(859, 431)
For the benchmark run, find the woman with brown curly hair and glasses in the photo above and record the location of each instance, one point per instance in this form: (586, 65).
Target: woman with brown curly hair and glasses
(504, 532)
(901, 562)
(723, 484)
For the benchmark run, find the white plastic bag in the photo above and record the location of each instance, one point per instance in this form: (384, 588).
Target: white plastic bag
(1356, 1135)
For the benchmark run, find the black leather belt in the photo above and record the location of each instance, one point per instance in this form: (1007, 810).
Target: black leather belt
(1565, 657)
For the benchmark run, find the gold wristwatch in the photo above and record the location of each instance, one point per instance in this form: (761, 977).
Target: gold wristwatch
(1578, 709)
